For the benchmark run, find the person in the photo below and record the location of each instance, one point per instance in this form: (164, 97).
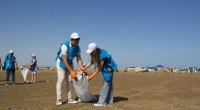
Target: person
(103, 62)
(33, 68)
(0, 64)
(9, 65)
(64, 64)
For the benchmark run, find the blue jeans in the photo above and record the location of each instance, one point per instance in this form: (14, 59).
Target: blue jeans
(12, 72)
(106, 95)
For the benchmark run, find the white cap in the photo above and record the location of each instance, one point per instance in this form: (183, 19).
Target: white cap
(11, 51)
(74, 35)
(91, 47)
(33, 55)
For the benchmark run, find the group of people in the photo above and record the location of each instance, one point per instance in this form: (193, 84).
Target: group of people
(10, 65)
(100, 58)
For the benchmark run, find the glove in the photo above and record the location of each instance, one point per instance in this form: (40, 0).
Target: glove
(73, 74)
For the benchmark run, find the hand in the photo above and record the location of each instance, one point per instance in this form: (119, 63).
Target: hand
(84, 69)
(27, 66)
(73, 74)
(90, 77)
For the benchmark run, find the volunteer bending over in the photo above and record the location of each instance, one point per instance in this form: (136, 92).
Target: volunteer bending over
(104, 63)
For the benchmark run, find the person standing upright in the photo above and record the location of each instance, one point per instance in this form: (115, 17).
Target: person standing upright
(9, 65)
(64, 64)
(33, 68)
(1, 66)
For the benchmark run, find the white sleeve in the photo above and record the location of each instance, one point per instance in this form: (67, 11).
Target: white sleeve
(64, 49)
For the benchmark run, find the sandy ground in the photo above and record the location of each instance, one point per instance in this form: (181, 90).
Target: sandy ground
(132, 91)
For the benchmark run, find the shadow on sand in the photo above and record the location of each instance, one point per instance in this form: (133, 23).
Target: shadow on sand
(2, 80)
(24, 83)
(116, 99)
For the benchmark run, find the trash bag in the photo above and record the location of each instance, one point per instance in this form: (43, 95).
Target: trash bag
(24, 72)
(81, 88)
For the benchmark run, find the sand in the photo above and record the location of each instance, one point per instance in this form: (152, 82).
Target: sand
(132, 91)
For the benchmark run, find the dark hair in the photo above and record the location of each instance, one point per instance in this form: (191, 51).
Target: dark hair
(75, 39)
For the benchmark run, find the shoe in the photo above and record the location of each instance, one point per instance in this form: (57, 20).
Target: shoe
(79, 101)
(99, 105)
(58, 102)
(13, 84)
(71, 101)
(6, 84)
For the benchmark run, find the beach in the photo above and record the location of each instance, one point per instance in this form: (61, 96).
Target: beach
(132, 91)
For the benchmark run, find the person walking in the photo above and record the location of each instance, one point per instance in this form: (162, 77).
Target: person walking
(103, 62)
(9, 65)
(33, 68)
(64, 64)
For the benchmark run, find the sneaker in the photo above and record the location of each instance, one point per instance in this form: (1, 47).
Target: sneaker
(13, 84)
(58, 102)
(79, 100)
(99, 105)
(71, 101)
(6, 84)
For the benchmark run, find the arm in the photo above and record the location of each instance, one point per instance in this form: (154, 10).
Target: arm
(71, 70)
(28, 65)
(16, 64)
(97, 70)
(80, 62)
(88, 65)
(64, 57)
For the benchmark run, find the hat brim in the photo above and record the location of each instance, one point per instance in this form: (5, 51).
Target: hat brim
(88, 51)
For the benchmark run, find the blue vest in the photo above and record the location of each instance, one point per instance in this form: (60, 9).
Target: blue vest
(71, 53)
(109, 66)
(9, 62)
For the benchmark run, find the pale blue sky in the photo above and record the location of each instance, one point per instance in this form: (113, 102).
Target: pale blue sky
(135, 32)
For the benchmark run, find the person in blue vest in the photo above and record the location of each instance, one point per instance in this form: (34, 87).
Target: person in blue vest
(9, 65)
(33, 68)
(64, 64)
(105, 64)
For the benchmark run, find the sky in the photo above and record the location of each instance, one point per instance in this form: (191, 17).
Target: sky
(135, 32)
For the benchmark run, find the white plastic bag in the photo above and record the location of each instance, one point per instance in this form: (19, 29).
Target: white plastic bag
(24, 72)
(81, 88)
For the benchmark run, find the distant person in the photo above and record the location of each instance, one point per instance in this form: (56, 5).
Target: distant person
(33, 68)
(64, 64)
(1, 66)
(103, 62)
(9, 65)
